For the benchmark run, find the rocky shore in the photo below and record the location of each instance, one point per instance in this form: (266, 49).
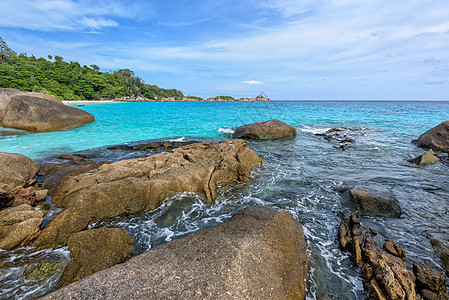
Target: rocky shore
(260, 253)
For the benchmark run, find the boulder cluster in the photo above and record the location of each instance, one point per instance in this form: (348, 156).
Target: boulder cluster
(38, 112)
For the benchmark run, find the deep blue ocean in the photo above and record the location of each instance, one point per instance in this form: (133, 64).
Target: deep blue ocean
(302, 175)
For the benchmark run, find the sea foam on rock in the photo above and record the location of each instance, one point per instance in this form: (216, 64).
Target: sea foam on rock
(141, 184)
(39, 114)
(436, 138)
(269, 130)
(259, 254)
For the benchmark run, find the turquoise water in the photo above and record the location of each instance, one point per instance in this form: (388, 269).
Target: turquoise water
(124, 122)
(302, 175)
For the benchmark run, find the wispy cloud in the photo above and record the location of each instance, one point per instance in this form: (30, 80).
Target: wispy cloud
(253, 82)
(50, 15)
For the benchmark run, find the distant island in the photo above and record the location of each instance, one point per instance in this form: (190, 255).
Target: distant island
(73, 82)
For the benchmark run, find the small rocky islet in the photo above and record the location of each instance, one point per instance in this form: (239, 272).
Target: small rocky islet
(260, 253)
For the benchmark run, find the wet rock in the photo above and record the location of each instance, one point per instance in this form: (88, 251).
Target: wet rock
(141, 184)
(443, 252)
(344, 136)
(436, 138)
(19, 225)
(428, 158)
(344, 147)
(259, 254)
(71, 157)
(150, 146)
(95, 250)
(430, 283)
(371, 201)
(38, 114)
(393, 248)
(43, 270)
(15, 170)
(269, 130)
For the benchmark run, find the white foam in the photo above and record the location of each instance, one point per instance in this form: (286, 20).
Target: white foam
(313, 130)
(226, 130)
(181, 139)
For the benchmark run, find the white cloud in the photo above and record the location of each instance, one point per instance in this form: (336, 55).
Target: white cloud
(49, 15)
(252, 82)
(97, 23)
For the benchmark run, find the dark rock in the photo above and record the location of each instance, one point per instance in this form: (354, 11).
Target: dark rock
(436, 138)
(269, 130)
(15, 170)
(38, 114)
(430, 282)
(371, 201)
(443, 252)
(41, 271)
(259, 254)
(19, 225)
(344, 147)
(71, 157)
(428, 158)
(141, 184)
(95, 250)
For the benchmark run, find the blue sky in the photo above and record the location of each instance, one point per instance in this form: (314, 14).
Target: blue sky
(290, 49)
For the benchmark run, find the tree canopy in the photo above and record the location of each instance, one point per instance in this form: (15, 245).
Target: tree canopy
(71, 81)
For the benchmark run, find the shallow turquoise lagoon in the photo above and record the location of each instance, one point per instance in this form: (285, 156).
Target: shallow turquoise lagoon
(125, 122)
(301, 175)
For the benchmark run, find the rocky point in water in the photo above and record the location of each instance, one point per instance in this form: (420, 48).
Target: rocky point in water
(436, 138)
(259, 254)
(269, 130)
(141, 184)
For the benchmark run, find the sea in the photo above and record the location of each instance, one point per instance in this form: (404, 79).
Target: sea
(303, 176)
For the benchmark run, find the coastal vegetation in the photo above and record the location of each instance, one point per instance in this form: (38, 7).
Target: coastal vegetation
(71, 81)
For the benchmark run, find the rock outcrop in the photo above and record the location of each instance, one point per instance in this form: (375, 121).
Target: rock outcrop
(428, 158)
(259, 254)
(39, 114)
(141, 184)
(95, 250)
(371, 201)
(385, 275)
(19, 225)
(436, 138)
(269, 130)
(7, 93)
(443, 252)
(15, 170)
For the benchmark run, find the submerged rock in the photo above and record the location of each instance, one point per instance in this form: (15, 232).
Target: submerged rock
(19, 225)
(428, 158)
(269, 130)
(443, 252)
(141, 184)
(38, 114)
(259, 254)
(436, 138)
(371, 201)
(95, 250)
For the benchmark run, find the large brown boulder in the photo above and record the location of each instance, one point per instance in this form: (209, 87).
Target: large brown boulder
(430, 282)
(7, 93)
(18, 225)
(269, 130)
(15, 170)
(141, 184)
(95, 250)
(38, 114)
(371, 201)
(259, 254)
(436, 138)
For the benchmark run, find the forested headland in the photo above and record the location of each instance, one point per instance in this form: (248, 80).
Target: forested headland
(71, 81)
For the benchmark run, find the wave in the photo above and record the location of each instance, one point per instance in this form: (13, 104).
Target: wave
(226, 130)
